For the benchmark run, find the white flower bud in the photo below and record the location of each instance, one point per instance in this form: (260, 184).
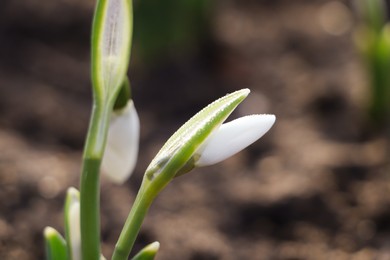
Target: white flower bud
(121, 152)
(232, 137)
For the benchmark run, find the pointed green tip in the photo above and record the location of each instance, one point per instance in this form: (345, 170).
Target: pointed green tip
(153, 247)
(55, 245)
(49, 232)
(245, 91)
(242, 93)
(149, 252)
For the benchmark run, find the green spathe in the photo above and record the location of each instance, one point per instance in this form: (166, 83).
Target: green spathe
(111, 42)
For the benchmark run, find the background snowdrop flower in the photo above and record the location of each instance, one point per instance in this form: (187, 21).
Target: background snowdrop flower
(75, 236)
(121, 152)
(72, 223)
(232, 137)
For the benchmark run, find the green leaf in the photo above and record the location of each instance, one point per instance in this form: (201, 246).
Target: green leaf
(148, 253)
(55, 245)
(179, 149)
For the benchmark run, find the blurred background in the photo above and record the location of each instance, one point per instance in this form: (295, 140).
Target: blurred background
(315, 187)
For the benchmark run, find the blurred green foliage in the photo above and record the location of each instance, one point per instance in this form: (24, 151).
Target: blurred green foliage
(373, 41)
(373, 13)
(170, 27)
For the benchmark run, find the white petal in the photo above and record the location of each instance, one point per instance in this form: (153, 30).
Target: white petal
(74, 229)
(121, 152)
(233, 137)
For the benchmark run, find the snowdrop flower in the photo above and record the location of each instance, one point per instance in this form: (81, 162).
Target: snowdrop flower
(75, 236)
(232, 137)
(121, 152)
(204, 139)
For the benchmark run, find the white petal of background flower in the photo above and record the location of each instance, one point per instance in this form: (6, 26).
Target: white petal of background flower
(232, 137)
(121, 152)
(74, 229)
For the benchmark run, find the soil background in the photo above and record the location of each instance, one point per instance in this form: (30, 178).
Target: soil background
(315, 187)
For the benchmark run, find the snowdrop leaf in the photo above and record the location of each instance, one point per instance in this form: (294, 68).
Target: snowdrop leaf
(184, 142)
(55, 245)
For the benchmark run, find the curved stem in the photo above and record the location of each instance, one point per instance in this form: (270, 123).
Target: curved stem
(134, 221)
(90, 182)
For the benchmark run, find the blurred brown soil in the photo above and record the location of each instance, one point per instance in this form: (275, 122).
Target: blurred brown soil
(315, 187)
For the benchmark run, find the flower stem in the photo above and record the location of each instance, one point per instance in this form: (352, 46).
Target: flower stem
(90, 182)
(134, 221)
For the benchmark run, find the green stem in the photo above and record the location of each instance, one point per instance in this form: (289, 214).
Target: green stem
(134, 221)
(90, 184)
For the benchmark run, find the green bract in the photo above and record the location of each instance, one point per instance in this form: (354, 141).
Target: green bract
(111, 42)
(179, 149)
